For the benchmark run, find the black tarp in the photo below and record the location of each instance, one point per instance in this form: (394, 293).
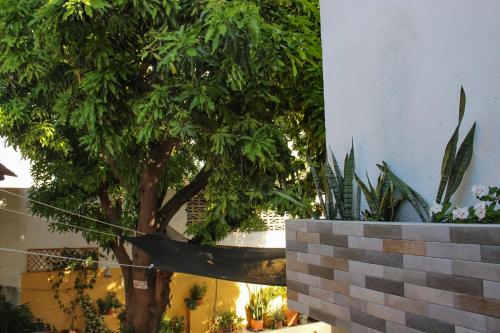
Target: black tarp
(243, 264)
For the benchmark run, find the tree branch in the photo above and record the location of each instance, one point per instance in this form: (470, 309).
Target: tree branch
(181, 197)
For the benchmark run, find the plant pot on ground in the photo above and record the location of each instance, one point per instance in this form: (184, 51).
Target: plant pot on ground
(226, 322)
(257, 307)
(291, 317)
(277, 318)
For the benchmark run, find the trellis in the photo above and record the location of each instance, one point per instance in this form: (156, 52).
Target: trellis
(37, 263)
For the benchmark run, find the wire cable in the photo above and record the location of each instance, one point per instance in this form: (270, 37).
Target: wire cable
(109, 263)
(56, 222)
(71, 213)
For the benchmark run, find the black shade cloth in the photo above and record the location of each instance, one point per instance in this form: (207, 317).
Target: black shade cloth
(243, 264)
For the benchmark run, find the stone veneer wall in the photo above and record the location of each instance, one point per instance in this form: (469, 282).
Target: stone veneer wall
(395, 277)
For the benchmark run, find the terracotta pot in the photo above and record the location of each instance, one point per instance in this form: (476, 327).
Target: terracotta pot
(291, 317)
(199, 302)
(278, 324)
(257, 325)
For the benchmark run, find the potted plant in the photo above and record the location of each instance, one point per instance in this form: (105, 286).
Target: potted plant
(277, 318)
(196, 294)
(173, 324)
(257, 309)
(226, 322)
(291, 317)
(108, 304)
(302, 319)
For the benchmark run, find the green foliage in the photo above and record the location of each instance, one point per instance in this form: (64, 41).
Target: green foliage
(172, 325)
(257, 304)
(90, 90)
(413, 197)
(226, 322)
(383, 201)
(277, 315)
(196, 293)
(108, 303)
(455, 163)
(18, 318)
(335, 190)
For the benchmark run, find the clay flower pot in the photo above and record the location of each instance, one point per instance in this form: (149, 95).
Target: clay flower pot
(257, 325)
(291, 317)
(278, 324)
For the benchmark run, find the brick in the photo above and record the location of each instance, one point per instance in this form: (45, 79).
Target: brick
(459, 329)
(306, 237)
(491, 289)
(296, 226)
(475, 235)
(427, 324)
(347, 228)
(369, 295)
(296, 246)
(430, 295)
(291, 235)
(405, 275)
(364, 243)
(397, 328)
(309, 301)
(292, 294)
(404, 246)
(313, 226)
(351, 278)
(337, 286)
(298, 287)
(366, 269)
(302, 308)
(322, 294)
(426, 232)
(490, 254)
(322, 315)
(311, 259)
(324, 227)
(477, 304)
(351, 302)
(470, 252)
(383, 231)
(338, 311)
(358, 328)
(342, 326)
(334, 240)
(290, 255)
(367, 320)
(458, 317)
(320, 271)
(334, 262)
(384, 259)
(351, 254)
(479, 270)
(322, 250)
(457, 284)
(308, 280)
(427, 264)
(406, 304)
(385, 312)
(385, 286)
(297, 266)
(291, 275)
(492, 324)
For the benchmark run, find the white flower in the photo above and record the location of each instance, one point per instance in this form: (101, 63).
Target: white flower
(460, 213)
(480, 210)
(437, 208)
(480, 190)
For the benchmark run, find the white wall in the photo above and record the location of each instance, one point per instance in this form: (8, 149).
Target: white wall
(393, 70)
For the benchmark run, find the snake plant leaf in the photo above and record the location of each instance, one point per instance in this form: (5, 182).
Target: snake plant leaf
(317, 184)
(385, 203)
(461, 164)
(348, 182)
(330, 212)
(334, 186)
(461, 107)
(357, 209)
(338, 174)
(415, 199)
(368, 193)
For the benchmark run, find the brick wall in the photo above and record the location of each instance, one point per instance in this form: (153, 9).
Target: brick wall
(395, 277)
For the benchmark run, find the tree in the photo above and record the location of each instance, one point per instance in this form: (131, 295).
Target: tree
(117, 102)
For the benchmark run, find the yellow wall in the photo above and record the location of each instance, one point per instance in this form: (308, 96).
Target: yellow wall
(37, 293)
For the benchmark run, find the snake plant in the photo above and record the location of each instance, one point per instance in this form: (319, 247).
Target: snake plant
(455, 163)
(383, 200)
(335, 190)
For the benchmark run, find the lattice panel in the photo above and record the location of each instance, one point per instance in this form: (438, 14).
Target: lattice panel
(195, 210)
(38, 263)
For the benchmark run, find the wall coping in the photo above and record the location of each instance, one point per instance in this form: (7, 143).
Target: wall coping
(429, 224)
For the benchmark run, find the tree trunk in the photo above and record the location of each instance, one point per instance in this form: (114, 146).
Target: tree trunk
(146, 307)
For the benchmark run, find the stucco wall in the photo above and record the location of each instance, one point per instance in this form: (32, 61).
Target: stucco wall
(393, 71)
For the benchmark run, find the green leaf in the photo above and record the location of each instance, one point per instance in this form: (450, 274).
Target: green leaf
(462, 161)
(348, 184)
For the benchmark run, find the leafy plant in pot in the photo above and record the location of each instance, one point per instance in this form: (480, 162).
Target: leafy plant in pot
(226, 322)
(257, 308)
(173, 324)
(108, 304)
(196, 294)
(277, 317)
